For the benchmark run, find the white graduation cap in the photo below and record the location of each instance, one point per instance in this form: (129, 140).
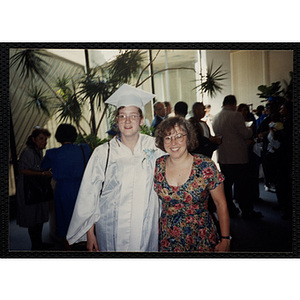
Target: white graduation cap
(128, 95)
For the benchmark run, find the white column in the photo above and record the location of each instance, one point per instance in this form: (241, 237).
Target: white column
(197, 76)
(167, 77)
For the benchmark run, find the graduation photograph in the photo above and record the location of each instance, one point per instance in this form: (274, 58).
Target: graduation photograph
(139, 150)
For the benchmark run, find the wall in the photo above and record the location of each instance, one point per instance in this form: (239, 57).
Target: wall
(219, 57)
(280, 64)
(253, 68)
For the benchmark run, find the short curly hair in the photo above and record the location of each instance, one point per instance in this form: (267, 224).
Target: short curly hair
(166, 126)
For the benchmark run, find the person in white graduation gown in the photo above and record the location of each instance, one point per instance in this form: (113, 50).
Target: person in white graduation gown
(125, 217)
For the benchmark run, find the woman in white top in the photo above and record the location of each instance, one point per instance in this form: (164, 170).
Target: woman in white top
(125, 217)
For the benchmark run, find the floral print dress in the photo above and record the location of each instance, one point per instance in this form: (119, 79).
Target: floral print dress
(185, 224)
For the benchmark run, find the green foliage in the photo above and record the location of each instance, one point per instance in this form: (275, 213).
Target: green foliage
(62, 84)
(70, 108)
(288, 91)
(147, 130)
(38, 100)
(273, 90)
(212, 84)
(30, 62)
(126, 65)
(92, 140)
(93, 88)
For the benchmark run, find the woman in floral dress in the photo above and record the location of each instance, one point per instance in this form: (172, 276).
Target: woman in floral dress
(183, 182)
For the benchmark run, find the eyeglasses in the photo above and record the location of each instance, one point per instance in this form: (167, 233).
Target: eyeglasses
(178, 138)
(133, 118)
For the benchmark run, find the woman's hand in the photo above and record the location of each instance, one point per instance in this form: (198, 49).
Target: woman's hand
(47, 173)
(91, 243)
(251, 142)
(223, 246)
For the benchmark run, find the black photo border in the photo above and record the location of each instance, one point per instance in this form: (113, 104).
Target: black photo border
(4, 146)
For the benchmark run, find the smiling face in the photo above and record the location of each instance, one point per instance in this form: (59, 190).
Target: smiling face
(175, 143)
(40, 141)
(129, 121)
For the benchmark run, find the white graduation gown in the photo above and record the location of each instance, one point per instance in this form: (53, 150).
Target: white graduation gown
(126, 217)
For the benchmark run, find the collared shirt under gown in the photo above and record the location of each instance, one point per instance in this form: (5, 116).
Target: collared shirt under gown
(127, 214)
(67, 163)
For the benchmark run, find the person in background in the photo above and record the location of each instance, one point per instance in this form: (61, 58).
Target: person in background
(33, 216)
(207, 143)
(169, 109)
(248, 117)
(160, 114)
(183, 182)
(117, 208)
(262, 133)
(233, 157)
(260, 113)
(181, 109)
(67, 164)
(113, 131)
(284, 182)
(254, 160)
(208, 117)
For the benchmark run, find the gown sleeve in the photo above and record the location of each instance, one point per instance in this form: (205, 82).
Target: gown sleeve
(86, 211)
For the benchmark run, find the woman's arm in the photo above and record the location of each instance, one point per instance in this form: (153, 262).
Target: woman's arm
(219, 199)
(91, 243)
(29, 172)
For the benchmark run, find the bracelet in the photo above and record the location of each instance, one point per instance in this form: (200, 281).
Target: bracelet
(229, 237)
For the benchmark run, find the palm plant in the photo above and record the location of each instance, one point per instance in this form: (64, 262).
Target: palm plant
(95, 90)
(71, 107)
(90, 86)
(210, 83)
(31, 64)
(124, 67)
(95, 86)
(39, 100)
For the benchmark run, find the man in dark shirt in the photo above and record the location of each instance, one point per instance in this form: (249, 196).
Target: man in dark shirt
(160, 113)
